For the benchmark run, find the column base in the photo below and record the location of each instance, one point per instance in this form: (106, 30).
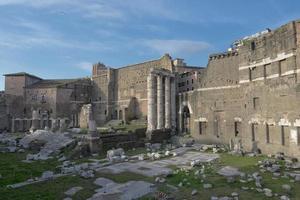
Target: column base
(95, 144)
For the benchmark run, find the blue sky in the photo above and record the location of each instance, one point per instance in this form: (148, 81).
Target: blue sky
(62, 38)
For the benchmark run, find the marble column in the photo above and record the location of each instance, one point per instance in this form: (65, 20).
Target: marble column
(160, 103)
(167, 103)
(173, 103)
(151, 115)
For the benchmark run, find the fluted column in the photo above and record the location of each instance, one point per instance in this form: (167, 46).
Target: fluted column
(160, 103)
(173, 103)
(151, 116)
(167, 102)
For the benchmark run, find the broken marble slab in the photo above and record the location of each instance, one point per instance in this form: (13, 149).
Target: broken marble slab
(125, 191)
(229, 171)
(54, 143)
(145, 168)
(72, 191)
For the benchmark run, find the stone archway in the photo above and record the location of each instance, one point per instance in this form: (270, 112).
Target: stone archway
(186, 115)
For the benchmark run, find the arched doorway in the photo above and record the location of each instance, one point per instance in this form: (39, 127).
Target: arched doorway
(186, 115)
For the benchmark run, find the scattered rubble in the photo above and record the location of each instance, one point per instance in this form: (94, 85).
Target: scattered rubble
(229, 171)
(72, 191)
(126, 191)
(116, 155)
(54, 142)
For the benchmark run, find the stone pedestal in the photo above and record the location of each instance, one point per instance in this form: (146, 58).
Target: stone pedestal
(54, 125)
(94, 141)
(63, 125)
(35, 121)
(95, 144)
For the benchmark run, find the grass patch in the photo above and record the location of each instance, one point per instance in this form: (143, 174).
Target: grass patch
(53, 189)
(14, 170)
(220, 185)
(136, 151)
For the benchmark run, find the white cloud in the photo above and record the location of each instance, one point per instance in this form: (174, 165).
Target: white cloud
(177, 47)
(29, 34)
(87, 66)
(94, 9)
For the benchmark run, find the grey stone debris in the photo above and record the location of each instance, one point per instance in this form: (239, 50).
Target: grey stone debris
(54, 143)
(160, 180)
(87, 174)
(283, 197)
(47, 175)
(54, 125)
(153, 147)
(234, 194)
(61, 159)
(72, 191)
(194, 192)
(297, 177)
(127, 191)
(141, 157)
(21, 150)
(295, 165)
(230, 179)
(286, 187)
(116, 155)
(245, 188)
(229, 171)
(268, 192)
(279, 156)
(63, 125)
(207, 185)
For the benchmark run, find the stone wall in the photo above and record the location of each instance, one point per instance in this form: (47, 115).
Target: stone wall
(121, 93)
(3, 113)
(250, 94)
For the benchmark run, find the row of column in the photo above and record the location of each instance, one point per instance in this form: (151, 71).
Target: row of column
(161, 101)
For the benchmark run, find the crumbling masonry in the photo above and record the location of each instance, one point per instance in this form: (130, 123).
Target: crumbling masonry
(247, 97)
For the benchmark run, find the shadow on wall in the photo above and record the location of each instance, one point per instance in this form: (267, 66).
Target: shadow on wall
(134, 111)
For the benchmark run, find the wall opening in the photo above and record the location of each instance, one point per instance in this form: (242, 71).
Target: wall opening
(237, 128)
(255, 103)
(253, 132)
(216, 127)
(267, 134)
(252, 45)
(202, 127)
(120, 114)
(282, 136)
(186, 120)
(298, 136)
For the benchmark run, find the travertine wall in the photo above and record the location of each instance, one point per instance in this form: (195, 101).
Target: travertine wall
(252, 94)
(3, 113)
(121, 93)
(15, 92)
